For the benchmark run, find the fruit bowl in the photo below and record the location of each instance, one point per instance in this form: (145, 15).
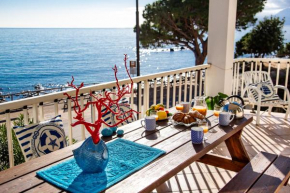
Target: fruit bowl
(167, 118)
(160, 111)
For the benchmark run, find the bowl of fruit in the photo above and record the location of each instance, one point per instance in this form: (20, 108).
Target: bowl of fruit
(159, 112)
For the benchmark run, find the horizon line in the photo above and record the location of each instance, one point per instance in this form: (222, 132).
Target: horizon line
(66, 27)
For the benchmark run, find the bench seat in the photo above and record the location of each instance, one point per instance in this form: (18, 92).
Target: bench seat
(265, 173)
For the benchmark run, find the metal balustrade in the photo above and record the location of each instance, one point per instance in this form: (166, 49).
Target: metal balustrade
(277, 68)
(165, 87)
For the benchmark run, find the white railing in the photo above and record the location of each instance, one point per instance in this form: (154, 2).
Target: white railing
(164, 87)
(277, 68)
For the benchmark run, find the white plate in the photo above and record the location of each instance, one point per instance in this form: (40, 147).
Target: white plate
(187, 125)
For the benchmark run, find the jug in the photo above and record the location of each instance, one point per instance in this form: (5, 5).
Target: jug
(200, 105)
(235, 106)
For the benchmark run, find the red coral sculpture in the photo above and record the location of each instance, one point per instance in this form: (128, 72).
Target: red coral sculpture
(106, 101)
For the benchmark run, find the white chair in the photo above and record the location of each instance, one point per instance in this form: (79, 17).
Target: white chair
(261, 92)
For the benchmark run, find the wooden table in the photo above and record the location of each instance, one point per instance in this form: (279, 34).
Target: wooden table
(175, 140)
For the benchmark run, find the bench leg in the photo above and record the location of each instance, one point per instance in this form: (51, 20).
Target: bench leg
(237, 149)
(163, 188)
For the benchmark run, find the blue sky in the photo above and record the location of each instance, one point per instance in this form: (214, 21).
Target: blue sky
(85, 13)
(69, 13)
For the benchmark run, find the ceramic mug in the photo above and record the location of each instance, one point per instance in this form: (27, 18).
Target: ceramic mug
(186, 106)
(225, 118)
(149, 123)
(197, 135)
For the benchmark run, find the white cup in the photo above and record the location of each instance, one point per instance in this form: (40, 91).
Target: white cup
(186, 107)
(150, 123)
(225, 118)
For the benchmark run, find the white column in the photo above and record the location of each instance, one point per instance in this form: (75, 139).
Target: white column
(221, 36)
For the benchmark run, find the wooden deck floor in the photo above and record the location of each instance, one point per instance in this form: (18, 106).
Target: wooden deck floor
(272, 135)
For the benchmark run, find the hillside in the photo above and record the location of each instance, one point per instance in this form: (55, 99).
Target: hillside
(285, 13)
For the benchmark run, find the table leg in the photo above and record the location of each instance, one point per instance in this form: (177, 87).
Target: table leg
(237, 149)
(239, 155)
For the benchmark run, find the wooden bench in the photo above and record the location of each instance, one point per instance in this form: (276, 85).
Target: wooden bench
(265, 173)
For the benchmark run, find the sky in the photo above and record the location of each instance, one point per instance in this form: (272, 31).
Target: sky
(273, 7)
(86, 13)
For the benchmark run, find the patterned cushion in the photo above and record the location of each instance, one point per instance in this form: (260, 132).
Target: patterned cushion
(41, 138)
(111, 118)
(268, 93)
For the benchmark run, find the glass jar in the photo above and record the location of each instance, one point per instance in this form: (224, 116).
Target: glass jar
(200, 105)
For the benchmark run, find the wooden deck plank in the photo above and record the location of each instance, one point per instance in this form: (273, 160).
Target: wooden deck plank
(274, 177)
(250, 173)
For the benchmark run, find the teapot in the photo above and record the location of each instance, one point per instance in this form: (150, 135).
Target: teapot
(233, 106)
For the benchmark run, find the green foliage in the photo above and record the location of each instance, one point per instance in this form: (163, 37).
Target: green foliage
(4, 158)
(185, 23)
(265, 38)
(73, 140)
(284, 51)
(4, 155)
(213, 101)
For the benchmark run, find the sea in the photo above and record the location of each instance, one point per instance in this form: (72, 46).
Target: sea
(50, 57)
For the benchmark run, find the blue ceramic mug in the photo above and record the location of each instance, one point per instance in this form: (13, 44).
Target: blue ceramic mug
(150, 123)
(225, 118)
(197, 135)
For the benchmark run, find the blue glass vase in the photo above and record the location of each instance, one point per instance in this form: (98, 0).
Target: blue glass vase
(91, 157)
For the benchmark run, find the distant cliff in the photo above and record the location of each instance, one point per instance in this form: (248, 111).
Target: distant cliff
(285, 13)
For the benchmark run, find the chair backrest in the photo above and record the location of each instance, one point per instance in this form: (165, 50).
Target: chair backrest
(42, 138)
(253, 77)
(110, 118)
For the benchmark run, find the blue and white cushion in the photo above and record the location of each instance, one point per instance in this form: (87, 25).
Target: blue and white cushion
(111, 118)
(41, 138)
(268, 93)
